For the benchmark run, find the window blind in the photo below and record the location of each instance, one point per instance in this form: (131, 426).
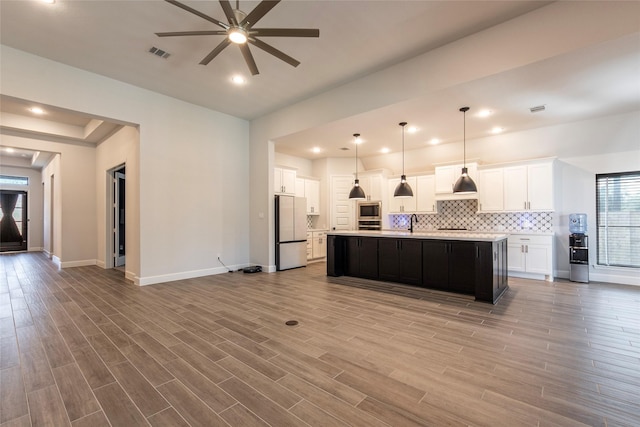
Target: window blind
(618, 219)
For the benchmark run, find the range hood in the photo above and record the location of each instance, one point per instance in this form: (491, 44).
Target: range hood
(456, 196)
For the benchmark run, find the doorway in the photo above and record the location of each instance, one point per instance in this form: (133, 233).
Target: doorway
(118, 199)
(13, 225)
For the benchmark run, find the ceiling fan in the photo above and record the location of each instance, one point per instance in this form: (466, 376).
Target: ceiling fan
(239, 30)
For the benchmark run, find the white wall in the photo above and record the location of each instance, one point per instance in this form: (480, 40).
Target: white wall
(35, 199)
(193, 164)
(121, 148)
(52, 227)
(302, 166)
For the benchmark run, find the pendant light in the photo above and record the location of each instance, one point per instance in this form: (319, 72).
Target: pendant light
(464, 184)
(357, 193)
(403, 190)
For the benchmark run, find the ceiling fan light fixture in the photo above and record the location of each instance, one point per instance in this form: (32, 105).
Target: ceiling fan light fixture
(238, 35)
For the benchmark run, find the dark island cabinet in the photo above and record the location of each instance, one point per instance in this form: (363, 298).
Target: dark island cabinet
(449, 265)
(491, 270)
(400, 260)
(464, 266)
(362, 257)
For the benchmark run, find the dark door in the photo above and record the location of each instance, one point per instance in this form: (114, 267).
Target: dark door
(462, 267)
(118, 218)
(411, 261)
(362, 257)
(389, 259)
(435, 264)
(13, 225)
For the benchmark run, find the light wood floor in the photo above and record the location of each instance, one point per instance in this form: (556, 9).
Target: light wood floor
(83, 347)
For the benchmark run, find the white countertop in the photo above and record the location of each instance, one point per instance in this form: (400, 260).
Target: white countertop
(474, 236)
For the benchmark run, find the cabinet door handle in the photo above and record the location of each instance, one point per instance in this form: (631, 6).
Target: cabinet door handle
(526, 247)
(525, 205)
(522, 248)
(477, 252)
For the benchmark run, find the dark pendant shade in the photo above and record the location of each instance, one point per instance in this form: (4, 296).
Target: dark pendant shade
(465, 184)
(403, 189)
(357, 192)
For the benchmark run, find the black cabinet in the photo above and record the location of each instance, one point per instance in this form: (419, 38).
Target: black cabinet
(362, 257)
(449, 265)
(491, 270)
(470, 267)
(400, 260)
(336, 249)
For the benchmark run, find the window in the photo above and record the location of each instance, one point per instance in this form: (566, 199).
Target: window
(618, 219)
(14, 180)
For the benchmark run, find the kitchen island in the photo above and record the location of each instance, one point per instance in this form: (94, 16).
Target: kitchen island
(473, 263)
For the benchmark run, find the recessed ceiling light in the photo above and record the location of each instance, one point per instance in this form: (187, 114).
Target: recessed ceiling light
(497, 130)
(36, 110)
(385, 150)
(316, 149)
(239, 80)
(434, 141)
(9, 150)
(48, 1)
(412, 129)
(484, 113)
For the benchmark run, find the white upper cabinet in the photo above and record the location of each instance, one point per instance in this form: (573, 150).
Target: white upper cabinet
(529, 187)
(425, 192)
(312, 193)
(490, 190)
(372, 186)
(284, 181)
(446, 176)
(540, 186)
(402, 205)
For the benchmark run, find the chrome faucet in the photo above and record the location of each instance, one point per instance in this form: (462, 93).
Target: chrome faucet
(411, 221)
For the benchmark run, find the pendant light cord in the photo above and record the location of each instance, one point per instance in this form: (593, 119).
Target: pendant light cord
(355, 136)
(464, 136)
(403, 124)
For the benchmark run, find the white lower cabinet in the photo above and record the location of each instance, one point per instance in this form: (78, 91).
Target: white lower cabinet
(530, 256)
(316, 244)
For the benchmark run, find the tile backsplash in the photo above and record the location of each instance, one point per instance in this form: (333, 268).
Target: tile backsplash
(463, 214)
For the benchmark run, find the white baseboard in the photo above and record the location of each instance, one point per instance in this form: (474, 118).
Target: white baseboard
(269, 268)
(100, 263)
(532, 276)
(79, 263)
(56, 261)
(152, 280)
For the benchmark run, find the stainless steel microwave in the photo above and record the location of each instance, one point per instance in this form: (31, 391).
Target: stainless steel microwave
(369, 210)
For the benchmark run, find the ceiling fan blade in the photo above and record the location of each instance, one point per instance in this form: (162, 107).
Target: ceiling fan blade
(198, 13)
(192, 33)
(248, 57)
(273, 51)
(258, 12)
(285, 32)
(215, 52)
(228, 11)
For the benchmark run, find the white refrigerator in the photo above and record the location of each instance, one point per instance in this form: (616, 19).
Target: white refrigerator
(291, 232)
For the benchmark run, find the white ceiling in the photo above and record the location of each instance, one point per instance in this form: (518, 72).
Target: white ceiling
(112, 38)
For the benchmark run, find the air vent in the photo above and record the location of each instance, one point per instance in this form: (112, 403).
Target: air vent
(537, 108)
(159, 52)
(345, 148)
